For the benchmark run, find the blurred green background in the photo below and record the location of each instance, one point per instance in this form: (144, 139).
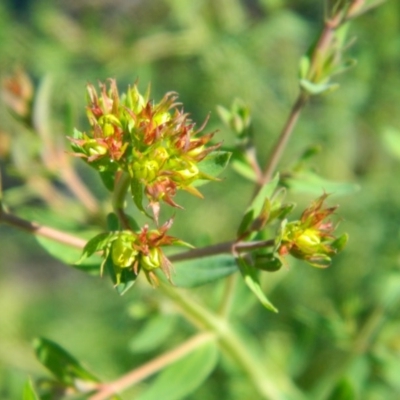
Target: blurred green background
(338, 330)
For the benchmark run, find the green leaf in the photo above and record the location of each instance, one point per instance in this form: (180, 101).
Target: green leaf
(213, 165)
(309, 182)
(68, 255)
(98, 243)
(184, 376)
(197, 272)
(108, 179)
(61, 364)
(137, 194)
(255, 208)
(29, 392)
(241, 166)
(251, 279)
(153, 333)
(339, 244)
(317, 88)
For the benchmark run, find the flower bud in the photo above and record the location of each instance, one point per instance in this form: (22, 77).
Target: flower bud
(152, 260)
(123, 254)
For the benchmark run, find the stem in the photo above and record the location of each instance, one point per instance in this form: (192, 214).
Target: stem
(78, 188)
(118, 201)
(153, 366)
(283, 139)
(221, 248)
(265, 382)
(40, 230)
(228, 295)
(73, 241)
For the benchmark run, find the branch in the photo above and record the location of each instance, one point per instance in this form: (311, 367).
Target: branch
(151, 367)
(40, 230)
(283, 139)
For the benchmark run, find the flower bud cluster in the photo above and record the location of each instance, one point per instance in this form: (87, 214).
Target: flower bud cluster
(311, 238)
(155, 143)
(142, 250)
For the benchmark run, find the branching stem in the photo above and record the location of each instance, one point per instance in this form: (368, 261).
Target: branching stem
(156, 364)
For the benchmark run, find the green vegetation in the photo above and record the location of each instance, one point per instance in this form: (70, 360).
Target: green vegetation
(337, 333)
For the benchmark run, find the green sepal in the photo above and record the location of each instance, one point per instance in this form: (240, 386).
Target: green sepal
(123, 278)
(257, 206)
(267, 262)
(339, 244)
(29, 392)
(318, 260)
(62, 365)
(138, 194)
(250, 277)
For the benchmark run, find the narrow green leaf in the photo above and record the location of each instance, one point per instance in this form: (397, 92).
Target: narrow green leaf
(61, 364)
(197, 272)
(154, 332)
(317, 88)
(68, 255)
(213, 165)
(182, 378)
(98, 243)
(309, 182)
(29, 392)
(251, 279)
(257, 204)
(244, 169)
(108, 179)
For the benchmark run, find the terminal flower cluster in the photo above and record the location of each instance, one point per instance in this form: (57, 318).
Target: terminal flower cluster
(155, 143)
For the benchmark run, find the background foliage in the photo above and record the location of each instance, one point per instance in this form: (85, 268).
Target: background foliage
(337, 328)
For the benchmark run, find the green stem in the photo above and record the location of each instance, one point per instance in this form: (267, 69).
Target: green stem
(122, 182)
(284, 137)
(228, 296)
(265, 382)
(105, 390)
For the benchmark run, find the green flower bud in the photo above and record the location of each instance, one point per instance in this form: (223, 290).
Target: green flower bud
(152, 260)
(122, 253)
(146, 170)
(93, 148)
(309, 239)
